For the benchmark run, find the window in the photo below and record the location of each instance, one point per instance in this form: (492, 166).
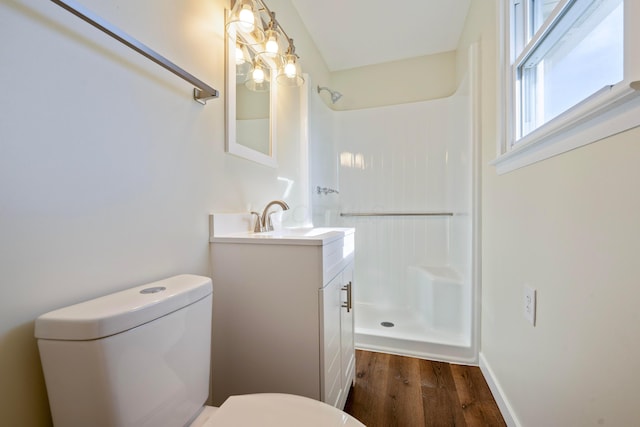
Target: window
(570, 63)
(567, 59)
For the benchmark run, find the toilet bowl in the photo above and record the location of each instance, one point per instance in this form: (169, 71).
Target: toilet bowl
(141, 357)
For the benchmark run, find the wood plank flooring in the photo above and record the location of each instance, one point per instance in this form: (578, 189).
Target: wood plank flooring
(398, 391)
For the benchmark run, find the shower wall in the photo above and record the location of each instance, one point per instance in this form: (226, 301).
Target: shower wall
(405, 159)
(459, 180)
(323, 166)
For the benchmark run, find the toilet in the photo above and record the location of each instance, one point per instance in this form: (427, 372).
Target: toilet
(141, 357)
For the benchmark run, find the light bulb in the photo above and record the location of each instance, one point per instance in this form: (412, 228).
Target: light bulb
(272, 45)
(246, 18)
(258, 74)
(290, 69)
(239, 56)
(290, 74)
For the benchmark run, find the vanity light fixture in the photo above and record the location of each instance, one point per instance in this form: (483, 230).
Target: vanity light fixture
(259, 77)
(290, 74)
(245, 22)
(272, 44)
(240, 59)
(255, 26)
(244, 63)
(258, 74)
(271, 50)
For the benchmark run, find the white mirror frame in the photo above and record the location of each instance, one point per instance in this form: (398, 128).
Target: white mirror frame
(231, 144)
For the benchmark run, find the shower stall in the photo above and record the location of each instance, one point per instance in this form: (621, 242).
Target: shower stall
(407, 179)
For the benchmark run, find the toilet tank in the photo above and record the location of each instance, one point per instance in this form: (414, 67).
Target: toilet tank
(138, 357)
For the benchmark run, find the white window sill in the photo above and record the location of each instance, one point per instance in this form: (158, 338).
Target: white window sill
(608, 112)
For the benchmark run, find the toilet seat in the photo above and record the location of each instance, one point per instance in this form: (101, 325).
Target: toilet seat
(277, 410)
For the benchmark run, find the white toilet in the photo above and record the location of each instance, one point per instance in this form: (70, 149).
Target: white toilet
(140, 357)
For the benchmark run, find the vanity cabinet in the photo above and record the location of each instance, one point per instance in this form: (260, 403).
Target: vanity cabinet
(338, 361)
(282, 315)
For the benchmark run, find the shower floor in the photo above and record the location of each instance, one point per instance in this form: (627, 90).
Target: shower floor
(409, 335)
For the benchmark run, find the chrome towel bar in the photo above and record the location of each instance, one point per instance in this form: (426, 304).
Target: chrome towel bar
(202, 91)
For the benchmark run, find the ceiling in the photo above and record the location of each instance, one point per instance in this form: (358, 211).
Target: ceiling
(355, 33)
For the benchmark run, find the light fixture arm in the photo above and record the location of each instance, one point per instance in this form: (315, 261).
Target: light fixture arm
(273, 23)
(272, 15)
(291, 50)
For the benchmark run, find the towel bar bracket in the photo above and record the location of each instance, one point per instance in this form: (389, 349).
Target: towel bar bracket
(202, 97)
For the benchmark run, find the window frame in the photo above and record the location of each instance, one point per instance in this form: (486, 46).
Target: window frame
(607, 112)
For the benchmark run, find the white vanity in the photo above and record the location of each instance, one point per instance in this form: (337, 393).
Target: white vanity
(282, 315)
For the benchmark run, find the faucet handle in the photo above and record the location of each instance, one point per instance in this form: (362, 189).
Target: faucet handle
(270, 220)
(257, 228)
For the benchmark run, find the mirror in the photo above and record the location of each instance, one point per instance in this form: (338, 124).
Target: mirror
(250, 115)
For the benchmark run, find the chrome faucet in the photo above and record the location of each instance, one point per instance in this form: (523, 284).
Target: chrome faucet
(266, 224)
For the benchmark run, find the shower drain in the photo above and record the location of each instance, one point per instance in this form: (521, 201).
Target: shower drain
(387, 324)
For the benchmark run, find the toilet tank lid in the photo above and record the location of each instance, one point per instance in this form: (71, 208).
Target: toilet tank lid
(120, 311)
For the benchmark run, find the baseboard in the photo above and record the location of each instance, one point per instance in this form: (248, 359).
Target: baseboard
(498, 394)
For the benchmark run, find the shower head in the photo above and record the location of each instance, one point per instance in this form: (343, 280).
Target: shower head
(335, 95)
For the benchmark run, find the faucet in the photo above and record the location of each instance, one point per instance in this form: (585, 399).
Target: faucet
(266, 224)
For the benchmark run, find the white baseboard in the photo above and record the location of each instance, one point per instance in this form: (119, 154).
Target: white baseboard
(498, 394)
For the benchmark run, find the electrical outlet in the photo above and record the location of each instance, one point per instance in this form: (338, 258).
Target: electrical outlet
(530, 305)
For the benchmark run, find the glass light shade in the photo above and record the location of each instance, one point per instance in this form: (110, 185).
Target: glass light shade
(271, 51)
(258, 79)
(244, 63)
(240, 56)
(243, 71)
(245, 24)
(290, 73)
(290, 70)
(246, 20)
(271, 46)
(258, 74)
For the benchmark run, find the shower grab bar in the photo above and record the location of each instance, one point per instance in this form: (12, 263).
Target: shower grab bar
(202, 91)
(396, 214)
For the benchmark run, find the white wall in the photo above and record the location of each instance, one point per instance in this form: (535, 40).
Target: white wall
(396, 82)
(109, 169)
(567, 226)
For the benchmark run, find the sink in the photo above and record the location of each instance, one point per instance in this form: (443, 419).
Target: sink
(308, 235)
(236, 228)
(297, 232)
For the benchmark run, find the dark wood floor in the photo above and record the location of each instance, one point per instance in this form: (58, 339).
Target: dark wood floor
(398, 391)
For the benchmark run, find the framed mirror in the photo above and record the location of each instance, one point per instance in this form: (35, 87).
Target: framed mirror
(250, 113)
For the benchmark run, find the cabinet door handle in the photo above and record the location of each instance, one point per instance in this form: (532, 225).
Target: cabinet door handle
(349, 304)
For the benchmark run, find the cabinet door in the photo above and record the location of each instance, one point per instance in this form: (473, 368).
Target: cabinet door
(347, 352)
(331, 387)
